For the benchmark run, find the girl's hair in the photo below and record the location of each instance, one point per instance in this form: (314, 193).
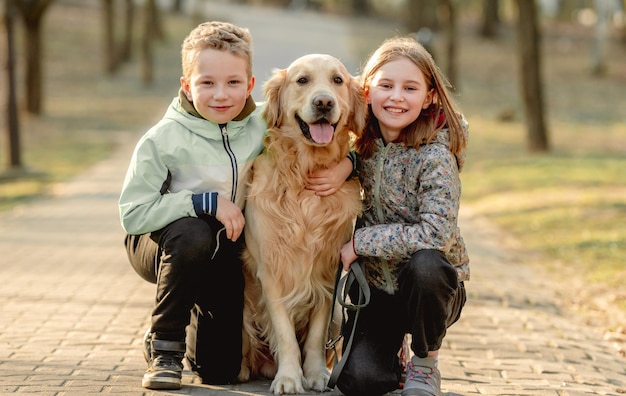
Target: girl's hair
(222, 36)
(428, 123)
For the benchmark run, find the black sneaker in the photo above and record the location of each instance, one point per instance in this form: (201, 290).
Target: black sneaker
(165, 369)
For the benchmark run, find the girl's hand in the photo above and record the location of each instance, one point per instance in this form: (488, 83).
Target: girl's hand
(325, 182)
(348, 255)
(231, 217)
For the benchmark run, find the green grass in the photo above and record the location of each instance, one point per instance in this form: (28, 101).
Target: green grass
(51, 158)
(569, 205)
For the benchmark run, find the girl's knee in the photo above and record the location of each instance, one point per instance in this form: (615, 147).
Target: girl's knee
(430, 268)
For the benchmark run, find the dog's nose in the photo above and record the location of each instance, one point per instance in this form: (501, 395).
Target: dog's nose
(323, 102)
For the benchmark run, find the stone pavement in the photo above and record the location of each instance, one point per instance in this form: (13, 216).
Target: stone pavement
(73, 312)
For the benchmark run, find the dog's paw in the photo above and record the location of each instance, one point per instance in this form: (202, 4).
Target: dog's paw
(244, 374)
(318, 381)
(284, 384)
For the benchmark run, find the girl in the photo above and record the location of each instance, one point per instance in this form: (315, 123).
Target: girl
(407, 241)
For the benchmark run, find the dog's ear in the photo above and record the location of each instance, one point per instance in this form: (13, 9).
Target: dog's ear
(272, 112)
(358, 114)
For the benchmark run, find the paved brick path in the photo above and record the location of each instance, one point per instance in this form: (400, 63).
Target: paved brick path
(73, 312)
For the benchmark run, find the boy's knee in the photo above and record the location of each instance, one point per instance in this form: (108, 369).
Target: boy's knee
(189, 236)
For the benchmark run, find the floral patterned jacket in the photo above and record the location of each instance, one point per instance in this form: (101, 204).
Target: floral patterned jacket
(411, 202)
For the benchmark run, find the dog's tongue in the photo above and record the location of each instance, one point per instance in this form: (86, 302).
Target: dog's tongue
(321, 132)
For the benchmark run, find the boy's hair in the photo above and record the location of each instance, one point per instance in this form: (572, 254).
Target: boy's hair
(429, 123)
(222, 36)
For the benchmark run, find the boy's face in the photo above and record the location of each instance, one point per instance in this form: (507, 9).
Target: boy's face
(219, 85)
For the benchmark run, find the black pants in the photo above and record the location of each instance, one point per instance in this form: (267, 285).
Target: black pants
(199, 293)
(430, 300)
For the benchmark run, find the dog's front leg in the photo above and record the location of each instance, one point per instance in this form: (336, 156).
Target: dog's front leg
(315, 370)
(289, 378)
(244, 371)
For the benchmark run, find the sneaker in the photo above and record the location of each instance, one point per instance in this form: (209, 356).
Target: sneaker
(165, 369)
(422, 378)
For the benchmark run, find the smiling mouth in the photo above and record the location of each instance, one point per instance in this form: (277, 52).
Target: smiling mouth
(320, 131)
(395, 110)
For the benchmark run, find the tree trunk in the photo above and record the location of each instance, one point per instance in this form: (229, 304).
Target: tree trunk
(146, 44)
(32, 12)
(451, 47)
(530, 75)
(360, 7)
(491, 18)
(14, 159)
(129, 15)
(598, 67)
(34, 75)
(110, 55)
(422, 22)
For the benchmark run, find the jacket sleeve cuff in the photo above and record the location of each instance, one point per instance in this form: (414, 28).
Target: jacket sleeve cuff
(205, 203)
(353, 159)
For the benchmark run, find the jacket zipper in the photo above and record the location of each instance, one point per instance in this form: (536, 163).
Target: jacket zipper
(380, 169)
(233, 161)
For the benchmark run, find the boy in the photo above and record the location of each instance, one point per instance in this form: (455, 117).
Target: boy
(181, 205)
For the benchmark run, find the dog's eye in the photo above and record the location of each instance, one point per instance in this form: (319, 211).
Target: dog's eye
(338, 80)
(302, 80)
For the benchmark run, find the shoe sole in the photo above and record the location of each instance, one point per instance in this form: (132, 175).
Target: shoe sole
(163, 379)
(161, 383)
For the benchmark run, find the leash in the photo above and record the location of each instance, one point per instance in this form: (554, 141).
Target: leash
(343, 284)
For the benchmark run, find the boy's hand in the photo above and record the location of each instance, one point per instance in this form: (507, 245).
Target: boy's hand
(231, 217)
(325, 182)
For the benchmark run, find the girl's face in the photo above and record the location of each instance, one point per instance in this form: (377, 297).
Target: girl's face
(219, 85)
(397, 93)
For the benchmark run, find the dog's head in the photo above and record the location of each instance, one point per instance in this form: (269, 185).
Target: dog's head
(317, 96)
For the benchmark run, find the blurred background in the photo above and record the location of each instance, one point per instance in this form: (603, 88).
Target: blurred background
(542, 83)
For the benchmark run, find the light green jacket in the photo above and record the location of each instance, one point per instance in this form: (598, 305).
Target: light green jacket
(182, 155)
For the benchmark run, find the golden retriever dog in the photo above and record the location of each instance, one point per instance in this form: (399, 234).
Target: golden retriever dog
(293, 236)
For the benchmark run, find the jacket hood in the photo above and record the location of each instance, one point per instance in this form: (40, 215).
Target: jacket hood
(443, 137)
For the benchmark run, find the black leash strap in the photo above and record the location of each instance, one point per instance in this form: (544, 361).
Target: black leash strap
(343, 284)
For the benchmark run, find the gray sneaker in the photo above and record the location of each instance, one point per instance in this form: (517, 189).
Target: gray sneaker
(165, 369)
(422, 378)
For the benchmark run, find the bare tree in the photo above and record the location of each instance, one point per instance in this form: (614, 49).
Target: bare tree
(177, 6)
(360, 7)
(528, 39)
(14, 160)
(147, 68)
(451, 29)
(491, 18)
(422, 21)
(603, 11)
(129, 16)
(115, 53)
(108, 15)
(32, 12)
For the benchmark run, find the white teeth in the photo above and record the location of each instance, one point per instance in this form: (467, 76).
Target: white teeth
(393, 110)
